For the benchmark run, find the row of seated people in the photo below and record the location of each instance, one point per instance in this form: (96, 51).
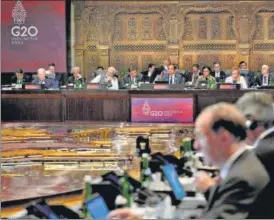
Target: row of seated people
(168, 72)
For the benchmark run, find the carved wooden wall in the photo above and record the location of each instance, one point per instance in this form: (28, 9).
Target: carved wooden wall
(123, 33)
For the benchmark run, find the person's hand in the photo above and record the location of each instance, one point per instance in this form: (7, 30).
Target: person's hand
(203, 181)
(108, 79)
(124, 213)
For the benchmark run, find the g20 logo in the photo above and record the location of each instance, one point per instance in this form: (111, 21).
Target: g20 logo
(23, 31)
(157, 113)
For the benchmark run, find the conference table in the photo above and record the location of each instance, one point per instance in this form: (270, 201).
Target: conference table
(99, 105)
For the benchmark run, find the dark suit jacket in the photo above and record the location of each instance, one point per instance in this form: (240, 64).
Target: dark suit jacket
(177, 80)
(25, 79)
(149, 79)
(265, 152)
(127, 79)
(237, 195)
(71, 79)
(221, 78)
(188, 77)
(258, 80)
(49, 83)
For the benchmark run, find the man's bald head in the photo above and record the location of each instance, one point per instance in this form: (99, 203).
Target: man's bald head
(218, 145)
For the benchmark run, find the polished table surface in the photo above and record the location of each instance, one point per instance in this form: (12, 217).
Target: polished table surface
(97, 105)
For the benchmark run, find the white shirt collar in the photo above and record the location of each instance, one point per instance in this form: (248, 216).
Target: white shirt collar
(226, 167)
(262, 136)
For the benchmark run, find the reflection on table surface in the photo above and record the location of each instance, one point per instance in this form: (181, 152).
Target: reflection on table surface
(28, 177)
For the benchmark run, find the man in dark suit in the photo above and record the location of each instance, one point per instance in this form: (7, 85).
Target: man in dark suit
(248, 75)
(172, 77)
(150, 74)
(220, 138)
(20, 77)
(43, 81)
(76, 76)
(264, 79)
(218, 74)
(132, 79)
(258, 108)
(192, 77)
(53, 75)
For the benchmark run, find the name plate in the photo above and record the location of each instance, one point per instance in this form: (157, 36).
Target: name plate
(91, 86)
(180, 110)
(32, 86)
(160, 86)
(229, 86)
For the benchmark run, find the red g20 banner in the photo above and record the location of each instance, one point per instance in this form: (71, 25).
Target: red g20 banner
(33, 35)
(162, 110)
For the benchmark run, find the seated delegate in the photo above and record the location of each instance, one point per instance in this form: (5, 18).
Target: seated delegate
(108, 79)
(43, 81)
(20, 77)
(172, 77)
(265, 78)
(206, 70)
(76, 77)
(132, 79)
(236, 78)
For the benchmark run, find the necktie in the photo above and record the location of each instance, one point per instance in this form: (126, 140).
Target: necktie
(265, 80)
(171, 80)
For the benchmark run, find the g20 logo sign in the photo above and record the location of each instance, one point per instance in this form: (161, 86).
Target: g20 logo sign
(23, 31)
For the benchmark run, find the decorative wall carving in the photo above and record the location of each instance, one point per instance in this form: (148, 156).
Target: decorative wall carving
(132, 29)
(137, 48)
(186, 31)
(271, 28)
(160, 29)
(198, 47)
(118, 33)
(92, 64)
(216, 28)
(187, 61)
(91, 23)
(133, 61)
(202, 28)
(231, 35)
(264, 47)
(92, 48)
(258, 35)
(146, 29)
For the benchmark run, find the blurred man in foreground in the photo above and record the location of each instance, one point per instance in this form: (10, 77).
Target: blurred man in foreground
(258, 109)
(220, 137)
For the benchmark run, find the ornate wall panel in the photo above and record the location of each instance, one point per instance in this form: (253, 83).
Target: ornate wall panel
(125, 33)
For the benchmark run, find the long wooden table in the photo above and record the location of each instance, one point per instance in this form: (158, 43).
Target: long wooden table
(96, 105)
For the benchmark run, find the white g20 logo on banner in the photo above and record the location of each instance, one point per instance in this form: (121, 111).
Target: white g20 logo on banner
(23, 31)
